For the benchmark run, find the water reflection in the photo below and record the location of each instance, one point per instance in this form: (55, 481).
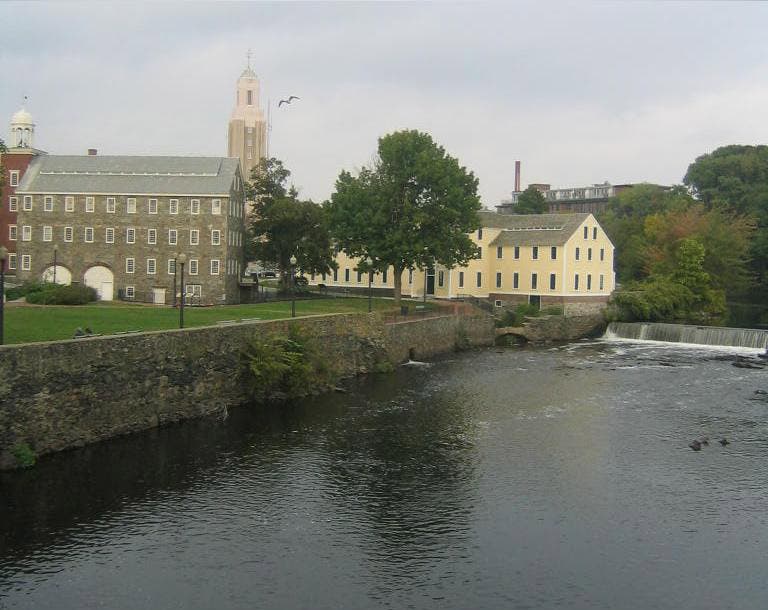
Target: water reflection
(513, 478)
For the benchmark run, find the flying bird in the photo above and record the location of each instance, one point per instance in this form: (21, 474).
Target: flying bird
(288, 101)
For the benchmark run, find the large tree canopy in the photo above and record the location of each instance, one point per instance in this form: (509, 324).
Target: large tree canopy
(413, 208)
(736, 178)
(282, 226)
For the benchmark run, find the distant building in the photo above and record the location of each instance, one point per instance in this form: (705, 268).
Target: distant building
(545, 259)
(118, 224)
(587, 199)
(15, 162)
(247, 127)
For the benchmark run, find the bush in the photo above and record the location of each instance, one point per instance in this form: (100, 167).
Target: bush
(21, 291)
(24, 455)
(283, 367)
(552, 311)
(56, 294)
(516, 316)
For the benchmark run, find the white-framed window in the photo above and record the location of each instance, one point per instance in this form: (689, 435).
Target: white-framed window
(130, 265)
(27, 203)
(193, 266)
(26, 233)
(12, 261)
(151, 266)
(152, 206)
(498, 279)
(479, 279)
(152, 236)
(109, 235)
(535, 253)
(130, 292)
(130, 205)
(173, 237)
(89, 235)
(13, 204)
(26, 262)
(13, 232)
(111, 205)
(194, 237)
(215, 265)
(534, 281)
(69, 234)
(194, 206)
(47, 233)
(90, 204)
(47, 203)
(171, 266)
(14, 177)
(497, 303)
(602, 282)
(69, 203)
(173, 206)
(215, 237)
(216, 207)
(130, 235)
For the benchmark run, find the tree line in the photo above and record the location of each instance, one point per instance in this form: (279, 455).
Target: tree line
(683, 251)
(412, 208)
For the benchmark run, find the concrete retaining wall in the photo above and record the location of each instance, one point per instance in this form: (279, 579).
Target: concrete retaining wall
(65, 394)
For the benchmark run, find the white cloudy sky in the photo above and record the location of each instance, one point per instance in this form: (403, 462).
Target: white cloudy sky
(580, 92)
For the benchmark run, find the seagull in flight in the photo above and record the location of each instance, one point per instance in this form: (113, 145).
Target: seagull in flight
(289, 100)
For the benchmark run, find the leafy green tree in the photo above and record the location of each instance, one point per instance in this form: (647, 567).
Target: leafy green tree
(736, 178)
(282, 226)
(413, 208)
(531, 201)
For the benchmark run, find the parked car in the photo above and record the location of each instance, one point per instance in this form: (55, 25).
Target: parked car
(267, 274)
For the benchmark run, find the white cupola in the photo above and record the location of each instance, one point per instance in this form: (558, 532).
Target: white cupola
(22, 130)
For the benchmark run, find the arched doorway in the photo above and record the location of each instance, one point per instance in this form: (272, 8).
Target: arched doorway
(62, 275)
(102, 279)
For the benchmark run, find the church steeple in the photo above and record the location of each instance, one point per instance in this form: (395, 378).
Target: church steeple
(247, 126)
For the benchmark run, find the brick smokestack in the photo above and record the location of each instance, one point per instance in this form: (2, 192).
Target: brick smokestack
(517, 176)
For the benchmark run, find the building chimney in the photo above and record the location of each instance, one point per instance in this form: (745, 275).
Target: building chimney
(92, 152)
(517, 176)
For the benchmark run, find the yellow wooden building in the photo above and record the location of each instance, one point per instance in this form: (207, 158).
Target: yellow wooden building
(545, 259)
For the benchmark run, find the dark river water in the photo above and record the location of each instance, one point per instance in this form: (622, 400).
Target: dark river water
(518, 478)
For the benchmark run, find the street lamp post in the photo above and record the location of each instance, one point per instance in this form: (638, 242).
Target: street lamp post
(369, 262)
(3, 256)
(293, 286)
(55, 260)
(175, 271)
(181, 259)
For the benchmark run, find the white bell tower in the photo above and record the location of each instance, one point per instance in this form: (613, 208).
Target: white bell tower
(22, 130)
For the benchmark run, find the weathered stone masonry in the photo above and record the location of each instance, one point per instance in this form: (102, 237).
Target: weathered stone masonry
(65, 394)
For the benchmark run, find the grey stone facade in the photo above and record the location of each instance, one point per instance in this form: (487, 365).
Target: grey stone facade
(118, 226)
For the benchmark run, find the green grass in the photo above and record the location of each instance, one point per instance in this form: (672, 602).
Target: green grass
(49, 323)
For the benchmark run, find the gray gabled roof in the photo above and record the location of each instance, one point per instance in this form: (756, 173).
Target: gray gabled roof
(116, 175)
(532, 229)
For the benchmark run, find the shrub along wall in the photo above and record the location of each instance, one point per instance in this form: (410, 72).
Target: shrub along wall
(69, 393)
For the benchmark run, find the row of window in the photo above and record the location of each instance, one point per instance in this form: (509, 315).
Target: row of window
(552, 253)
(478, 278)
(111, 205)
(534, 281)
(191, 290)
(192, 267)
(234, 237)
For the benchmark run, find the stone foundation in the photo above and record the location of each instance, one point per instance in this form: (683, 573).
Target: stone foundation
(65, 394)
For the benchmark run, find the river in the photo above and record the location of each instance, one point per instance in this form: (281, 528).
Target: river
(501, 478)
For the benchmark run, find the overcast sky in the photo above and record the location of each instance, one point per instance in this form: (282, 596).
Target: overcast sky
(579, 92)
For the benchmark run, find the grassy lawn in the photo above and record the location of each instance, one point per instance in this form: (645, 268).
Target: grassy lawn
(24, 324)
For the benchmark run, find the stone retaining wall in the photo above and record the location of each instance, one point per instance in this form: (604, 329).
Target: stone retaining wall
(550, 329)
(65, 394)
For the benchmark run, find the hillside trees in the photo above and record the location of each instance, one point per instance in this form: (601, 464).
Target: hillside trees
(413, 208)
(735, 178)
(281, 225)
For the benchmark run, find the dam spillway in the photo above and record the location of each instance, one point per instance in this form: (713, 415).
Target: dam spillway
(683, 333)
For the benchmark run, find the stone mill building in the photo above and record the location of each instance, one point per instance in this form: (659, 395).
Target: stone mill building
(120, 223)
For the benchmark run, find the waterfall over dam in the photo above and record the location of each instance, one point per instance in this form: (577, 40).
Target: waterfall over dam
(681, 333)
